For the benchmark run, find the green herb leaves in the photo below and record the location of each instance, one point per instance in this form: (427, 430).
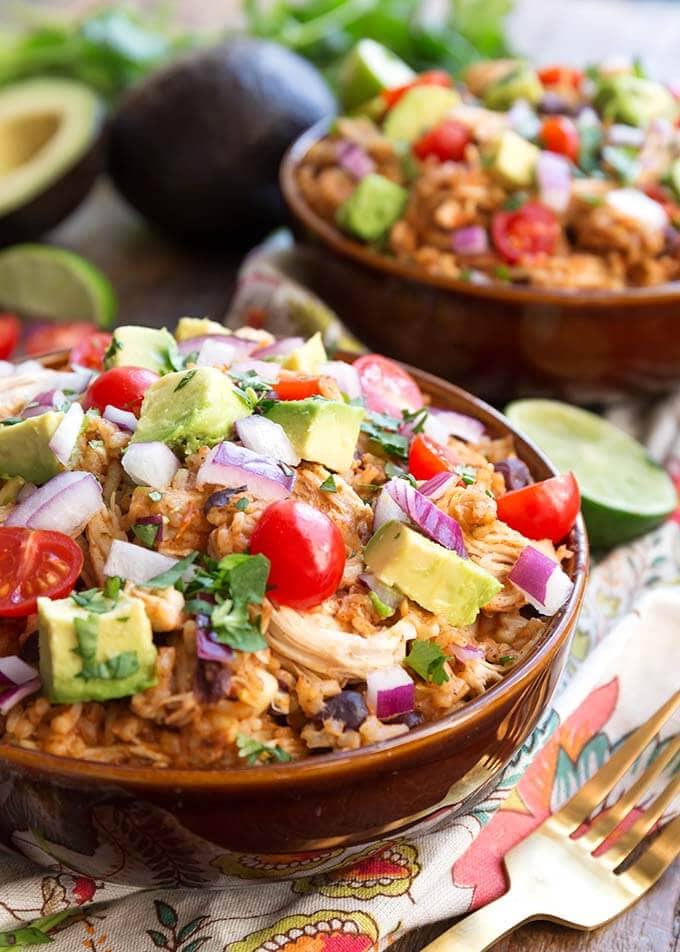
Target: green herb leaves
(254, 751)
(99, 601)
(427, 660)
(172, 575)
(146, 533)
(187, 378)
(328, 485)
(383, 430)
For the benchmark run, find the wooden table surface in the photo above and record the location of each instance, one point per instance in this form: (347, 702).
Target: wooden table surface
(157, 283)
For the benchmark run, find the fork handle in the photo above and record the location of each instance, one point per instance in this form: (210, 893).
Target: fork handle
(483, 928)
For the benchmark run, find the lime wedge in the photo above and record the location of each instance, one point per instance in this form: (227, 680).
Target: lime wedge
(46, 282)
(368, 69)
(624, 493)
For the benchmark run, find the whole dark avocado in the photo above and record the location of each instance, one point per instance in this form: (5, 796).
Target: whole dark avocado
(196, 147)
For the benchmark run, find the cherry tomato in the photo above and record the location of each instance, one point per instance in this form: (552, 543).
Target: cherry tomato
(561, 76)
(296, 389)
(530, 230)
(387, 387)
(306, 552)
(545, 510)
(122, 387)
(44, 338)
(427, 457)
(559, 134)
(10, 332)
(35, 562)
(91, 349)
(446, 142)
(434, 77)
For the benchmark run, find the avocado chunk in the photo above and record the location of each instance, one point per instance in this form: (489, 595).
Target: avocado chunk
(95, 656)
(434, 577)
(522, 82)
(634, 100)
(514, 161)
(308, 358)
(25, 451)
(372, 208)
(190, 408)
(368, 68)
(322, 431)
(141, 347)
(188, 327)
(418, 110)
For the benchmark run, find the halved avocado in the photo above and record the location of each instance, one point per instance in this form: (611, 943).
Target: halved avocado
(50, 154)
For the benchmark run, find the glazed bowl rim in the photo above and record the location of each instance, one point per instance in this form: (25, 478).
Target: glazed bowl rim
(334, 239)
(243, 779)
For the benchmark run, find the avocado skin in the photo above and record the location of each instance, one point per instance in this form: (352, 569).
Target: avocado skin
(196, 147)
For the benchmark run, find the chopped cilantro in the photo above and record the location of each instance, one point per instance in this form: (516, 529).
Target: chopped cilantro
(623, 161)
(97, 601)
(515, 201)
(174, 361)
(416, 419)
(112, 586)
(155, 495)
(328, 485)
(146, 533)
(187, 378)
(589, 150)
(241, 504)
(111, 350)
(507, 659)
(96, 444)
(427, 660)
(254, 751)
(592, 199)
(87, 633)
(121, 665)
(502, 272)
(383, 430)
(381, 609)
(11, 421)
(172, 575)
(467, 475)
(397, 472)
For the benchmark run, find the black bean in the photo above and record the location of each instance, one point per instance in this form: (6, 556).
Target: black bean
(515, 473)
(211, 682)
(348, 707)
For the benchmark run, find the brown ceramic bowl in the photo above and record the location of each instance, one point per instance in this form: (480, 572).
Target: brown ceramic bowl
(499, 341)
(145, 826)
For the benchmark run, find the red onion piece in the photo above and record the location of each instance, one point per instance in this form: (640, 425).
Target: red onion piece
(515, 473)
(435, 487)
(65, 437)
(230, 465)
(523, 120)
(121, 418)
(541, 581)
(47, 400)
(472, 240)
(388, 595)
(28, 506)
(620, 134)
(64, 504)
(266, 370)
(14, 671)
(387, 510)
(239, 346)
(280, 348)
(434, 523)
(12, 696)
(209, 649)
(150, 464)
(136, 563)
(390, 692)
(267, 439)
(354, 160)
(553, 174)
(468, 652)
(459, 425)
(346, 377)
(26, 490)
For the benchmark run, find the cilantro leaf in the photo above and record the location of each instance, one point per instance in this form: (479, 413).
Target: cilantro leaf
(328, 485)
(383, 431)
(254, 751)
(427, 660)
(172, 575)
(187, 378)
(96, 601)
(397, 472)
(146, 533)
(242, 504)
(382, 610)
(87, 635)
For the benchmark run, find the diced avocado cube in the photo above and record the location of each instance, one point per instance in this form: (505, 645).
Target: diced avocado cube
(418, 110)
(322, 431)
(190, 408)
(25, 451)
(88, 656)
(141, 347)
(368, 69)
(434, 577)
(372, 208)
(308, 358)
(514, 162)
(522, 82)
(634, 100)
(188, 327)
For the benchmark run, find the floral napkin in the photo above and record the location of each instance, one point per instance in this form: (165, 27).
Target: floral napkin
(624, 662)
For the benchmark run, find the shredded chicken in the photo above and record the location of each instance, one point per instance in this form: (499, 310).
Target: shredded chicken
(348, 511)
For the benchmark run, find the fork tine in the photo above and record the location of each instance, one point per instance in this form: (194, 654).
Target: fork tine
(656, 859)
(627, 842)
(581, 805)
(608, 821)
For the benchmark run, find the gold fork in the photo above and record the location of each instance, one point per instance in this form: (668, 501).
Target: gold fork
(557, 878)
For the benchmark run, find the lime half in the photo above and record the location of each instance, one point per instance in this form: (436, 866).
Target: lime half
(45, 282)
(624, 493)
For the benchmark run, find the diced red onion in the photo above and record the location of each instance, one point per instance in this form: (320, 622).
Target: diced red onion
(208, 649)
(155, 520)
(238, 346)
(14, 671)
(150, 464)
(472, 240)
(468, 652)
(65, 437)
(267, 439)
(266, 370)
(64, 504)
(620, 134)
(515, 473)
(523, 120)
(553, 175)
(541, 581)
(33, 410)
(42, 402)
(122, 418)
(450, 423)
(435, 487)
(354, 160)
(215, 353)
(230, 465)
(387, 510)
(434, 523)
(346, 377)
(388, 595)
(135, 563)
(634, 204)
(390, 692)
(280, 348)
(12, 696)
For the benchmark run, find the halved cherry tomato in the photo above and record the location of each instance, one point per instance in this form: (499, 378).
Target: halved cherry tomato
(447, 142)
(306, 552)
(122, 387)
(561, 76)
(91, 349)
(35, 562)
(44, 338)
(427, 457)
(530, 230)
(10, 332)
(559, 134)
(296, 389)
(545, 510)
(433, 77)
(387, 387)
